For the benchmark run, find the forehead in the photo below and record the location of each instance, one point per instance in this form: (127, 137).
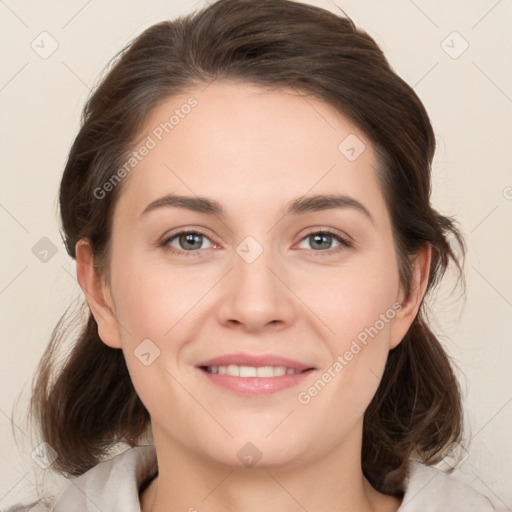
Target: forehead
(243, 144)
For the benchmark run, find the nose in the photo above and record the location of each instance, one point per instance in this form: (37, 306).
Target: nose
(255, 294)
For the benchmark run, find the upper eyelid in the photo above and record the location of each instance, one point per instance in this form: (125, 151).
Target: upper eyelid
(167, 238)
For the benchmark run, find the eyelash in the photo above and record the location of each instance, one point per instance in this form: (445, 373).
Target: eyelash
(344, 243)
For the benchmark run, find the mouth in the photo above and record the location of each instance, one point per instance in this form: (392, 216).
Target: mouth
(254, 375)
(252, 371)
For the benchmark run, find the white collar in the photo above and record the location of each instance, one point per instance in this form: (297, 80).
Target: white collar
(113, 485)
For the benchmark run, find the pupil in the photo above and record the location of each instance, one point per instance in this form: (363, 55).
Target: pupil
(319, 237)
(190, 238)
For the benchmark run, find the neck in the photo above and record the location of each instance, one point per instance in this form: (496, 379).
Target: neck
(334, 482)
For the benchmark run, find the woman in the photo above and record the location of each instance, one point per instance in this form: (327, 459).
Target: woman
(248, 205)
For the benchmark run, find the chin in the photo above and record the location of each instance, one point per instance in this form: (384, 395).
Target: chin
(258, 451)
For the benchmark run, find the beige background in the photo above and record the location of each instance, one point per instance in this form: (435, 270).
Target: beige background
(469, 99)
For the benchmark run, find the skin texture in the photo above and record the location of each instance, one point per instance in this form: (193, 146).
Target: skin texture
(253, 151)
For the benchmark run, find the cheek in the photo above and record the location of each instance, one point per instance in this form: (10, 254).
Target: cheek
(357, 306)
(154, 307)
(158, 303)
(154, 300)
(352, 299)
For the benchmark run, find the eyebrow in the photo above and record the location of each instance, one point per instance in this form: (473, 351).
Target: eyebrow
(297, 206)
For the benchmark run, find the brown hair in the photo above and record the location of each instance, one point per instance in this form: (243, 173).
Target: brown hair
(88, 404)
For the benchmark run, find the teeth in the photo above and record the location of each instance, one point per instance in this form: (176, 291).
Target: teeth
(247, 371)
(251, 371)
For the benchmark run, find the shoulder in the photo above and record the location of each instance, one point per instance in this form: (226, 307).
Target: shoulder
(427, 488)
(99, 488)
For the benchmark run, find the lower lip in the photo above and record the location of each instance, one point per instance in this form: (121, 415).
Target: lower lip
(256, 385)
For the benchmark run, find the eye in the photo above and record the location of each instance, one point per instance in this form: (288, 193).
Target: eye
(189, 243)
(186, 242)
(322, 241)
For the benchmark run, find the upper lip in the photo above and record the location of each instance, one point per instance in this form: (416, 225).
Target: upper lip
(241, 359)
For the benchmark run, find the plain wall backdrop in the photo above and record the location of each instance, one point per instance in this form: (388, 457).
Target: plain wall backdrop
(457, 55)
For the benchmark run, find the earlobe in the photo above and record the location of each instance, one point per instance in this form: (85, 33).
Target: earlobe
(96, 293)
(411, 304)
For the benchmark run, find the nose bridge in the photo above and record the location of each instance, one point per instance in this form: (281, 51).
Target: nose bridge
(253, 278)
(252, 265)
(255, 295)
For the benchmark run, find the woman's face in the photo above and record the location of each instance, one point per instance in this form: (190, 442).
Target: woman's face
(263, 278)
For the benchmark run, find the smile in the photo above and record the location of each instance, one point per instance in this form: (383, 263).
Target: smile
(251, 371)
(252, 381)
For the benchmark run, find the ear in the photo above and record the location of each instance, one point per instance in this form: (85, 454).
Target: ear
(97, 294)
(411, 304)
